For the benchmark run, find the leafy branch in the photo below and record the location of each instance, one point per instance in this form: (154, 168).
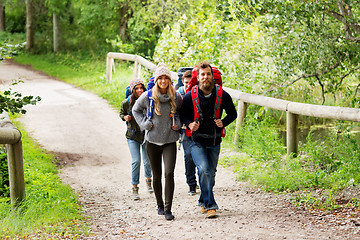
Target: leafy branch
(13, 101)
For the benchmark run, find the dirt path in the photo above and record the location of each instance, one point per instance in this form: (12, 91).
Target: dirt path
(87, 133)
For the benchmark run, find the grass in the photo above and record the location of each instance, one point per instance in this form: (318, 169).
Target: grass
(86, 74)
(50, 207)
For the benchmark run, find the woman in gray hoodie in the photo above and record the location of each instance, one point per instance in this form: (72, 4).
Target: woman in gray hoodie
(161, 133)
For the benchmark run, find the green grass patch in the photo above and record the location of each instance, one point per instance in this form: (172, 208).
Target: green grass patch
(322, 169)
(84, 73)
(50, 206)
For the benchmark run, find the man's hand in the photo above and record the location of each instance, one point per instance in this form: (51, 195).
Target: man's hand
(194, 126)
(219, 123)
(174, 127)
(127, 118)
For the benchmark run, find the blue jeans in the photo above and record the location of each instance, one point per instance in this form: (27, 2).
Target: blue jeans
(206, 160)
(189, 163)
(134, 148)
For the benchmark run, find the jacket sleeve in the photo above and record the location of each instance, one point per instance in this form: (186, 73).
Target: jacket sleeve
(124, 109)
(139, 111)
(187, 110)
(229, 107)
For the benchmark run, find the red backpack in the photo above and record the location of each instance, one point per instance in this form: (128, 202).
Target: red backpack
(194, 88)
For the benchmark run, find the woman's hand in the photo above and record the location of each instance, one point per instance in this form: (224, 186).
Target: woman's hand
(127, 118)
(174, 127)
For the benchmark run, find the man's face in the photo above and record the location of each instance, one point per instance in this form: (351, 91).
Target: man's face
(206, 79)
(186, 82)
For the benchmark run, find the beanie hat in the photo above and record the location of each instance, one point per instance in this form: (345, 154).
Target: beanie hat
(161, 70)
(134, 82)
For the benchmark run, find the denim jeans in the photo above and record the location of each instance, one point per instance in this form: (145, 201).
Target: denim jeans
(190, 168)
(134, 148)
(206, 160)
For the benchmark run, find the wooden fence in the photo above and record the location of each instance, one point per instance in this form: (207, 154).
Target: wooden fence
(11, 137)
(292, 109)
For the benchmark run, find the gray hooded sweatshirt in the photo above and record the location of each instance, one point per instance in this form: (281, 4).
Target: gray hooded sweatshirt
(161, 132)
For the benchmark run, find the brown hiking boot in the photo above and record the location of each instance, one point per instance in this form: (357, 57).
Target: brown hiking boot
(135, 193)
(149, 186)
(211, 213)
(203, 210)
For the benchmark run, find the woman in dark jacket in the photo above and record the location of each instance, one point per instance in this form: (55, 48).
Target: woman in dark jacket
(135, 138)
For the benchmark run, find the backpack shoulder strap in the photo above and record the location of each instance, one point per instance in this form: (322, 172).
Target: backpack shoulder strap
(151, 104)
(196, 103)
(219, 92)
(130, 113)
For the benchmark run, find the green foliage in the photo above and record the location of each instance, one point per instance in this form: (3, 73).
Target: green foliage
(316, 41)
(49, 207)
(4, 174)
(7, 48)
(14, 102)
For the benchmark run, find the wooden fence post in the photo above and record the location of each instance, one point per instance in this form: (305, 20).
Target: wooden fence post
(241, 112)
(16, 173)
(108, 69)
(136, 69)
(292, 134)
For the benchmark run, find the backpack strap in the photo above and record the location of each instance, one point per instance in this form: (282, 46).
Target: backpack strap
(196, 103)
(130, 113)
(151, 104)
(219, 93)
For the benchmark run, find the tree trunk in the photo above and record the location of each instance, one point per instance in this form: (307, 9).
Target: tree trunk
(125, 14)
(56, 32)
(30, 33)
(2, 17)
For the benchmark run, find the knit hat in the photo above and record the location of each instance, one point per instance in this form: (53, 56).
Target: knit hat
(161, 70)
(134, 82)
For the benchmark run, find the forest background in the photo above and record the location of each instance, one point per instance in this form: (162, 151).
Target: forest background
(303, 51)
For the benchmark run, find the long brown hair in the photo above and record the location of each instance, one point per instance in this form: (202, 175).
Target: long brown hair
(170, 92)
(133, 96)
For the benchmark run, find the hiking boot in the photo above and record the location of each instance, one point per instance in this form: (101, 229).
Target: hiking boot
(135, 193)
(149, 186)
(168, 215)
(192, 190)
(161, 210)
(203, 210)
(211, 213)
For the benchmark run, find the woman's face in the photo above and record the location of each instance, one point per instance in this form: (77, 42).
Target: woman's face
(163, 82)
(139, 90)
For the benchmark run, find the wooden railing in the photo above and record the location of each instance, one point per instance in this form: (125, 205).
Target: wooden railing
(11, 137)
(292, 109)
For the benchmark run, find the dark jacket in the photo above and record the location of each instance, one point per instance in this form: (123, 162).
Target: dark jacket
(208, 133)
(133, 131)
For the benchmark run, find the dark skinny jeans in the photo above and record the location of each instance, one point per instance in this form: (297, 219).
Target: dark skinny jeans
(156, 154)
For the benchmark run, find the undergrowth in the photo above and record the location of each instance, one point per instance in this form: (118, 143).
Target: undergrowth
(50, 206)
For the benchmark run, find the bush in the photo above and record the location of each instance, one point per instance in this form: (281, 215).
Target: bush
(4, 174)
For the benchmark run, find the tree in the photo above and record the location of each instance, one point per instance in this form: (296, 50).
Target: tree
(55, 8)
(2, 16)
(317, 41)
(30, 25)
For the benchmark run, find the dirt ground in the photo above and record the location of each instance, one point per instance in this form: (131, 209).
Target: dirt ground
(89, 138)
